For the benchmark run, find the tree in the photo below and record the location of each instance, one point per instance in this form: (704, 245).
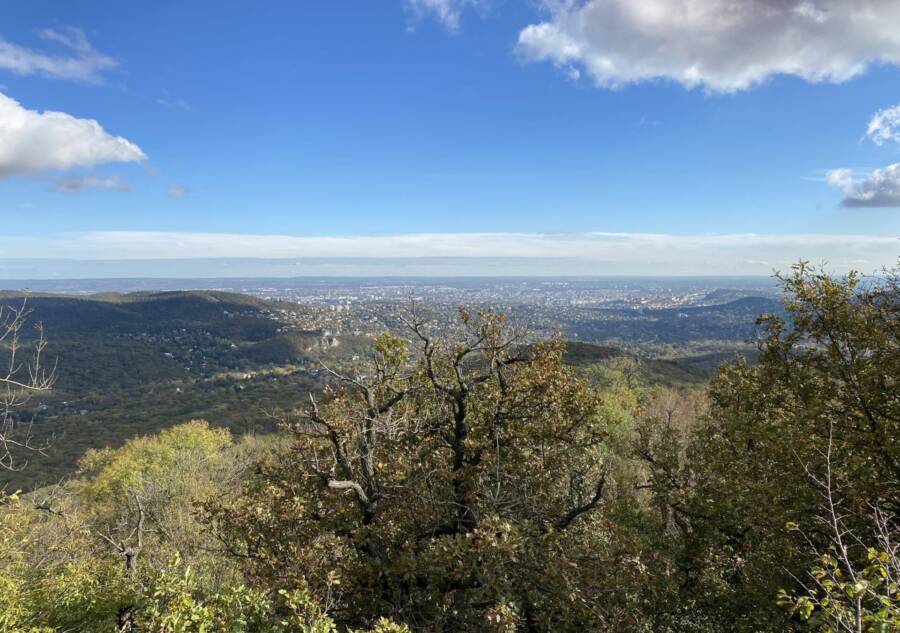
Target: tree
(853, 586)
(21, 379)
(463, 488)
(827, 374)
(94, 551)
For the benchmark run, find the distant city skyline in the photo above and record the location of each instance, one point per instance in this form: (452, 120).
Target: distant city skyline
(448, 137)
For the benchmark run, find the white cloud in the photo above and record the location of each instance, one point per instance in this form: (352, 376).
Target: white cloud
(582, 253)
(842, 178)
(880, 188)
(447, 12)
(177, 190)
(173, 104)
(76, 184)
(721, 45)
(32, 141)
(80, 62)
(885, 126)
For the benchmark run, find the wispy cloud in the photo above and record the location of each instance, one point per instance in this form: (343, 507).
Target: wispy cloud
(720, 45)
(177, 190)
(447, 12)
(79, 61)
(77, 184)
(582, 253)
(174, 104)
(32, 141)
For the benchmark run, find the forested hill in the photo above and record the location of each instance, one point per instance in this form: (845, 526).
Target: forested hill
(112, 341)
(730, 321)
(129, 364)
(224, 313)
(687, 370)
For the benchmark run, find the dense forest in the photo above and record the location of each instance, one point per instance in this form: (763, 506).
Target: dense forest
(473, 479)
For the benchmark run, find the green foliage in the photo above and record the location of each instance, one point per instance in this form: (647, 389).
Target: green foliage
(867, 600)
(81, 595)
(165, 459)
(392, 352)
(51, 579)
(178, 601)
(826, 375)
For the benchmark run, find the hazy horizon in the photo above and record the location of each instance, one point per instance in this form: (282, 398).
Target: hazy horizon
(373, 268)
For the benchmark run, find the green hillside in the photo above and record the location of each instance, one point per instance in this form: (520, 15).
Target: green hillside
(128, 364)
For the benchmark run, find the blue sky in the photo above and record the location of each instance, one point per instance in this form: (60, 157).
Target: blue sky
(453, 128)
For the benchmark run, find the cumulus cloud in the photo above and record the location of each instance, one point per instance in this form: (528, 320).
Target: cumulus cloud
(531, 253)
(32, 141)
(177, 190)
(880, 188)
(721, 45)
(447, 12)
(885, 126)
(80, 61)
(78, 184)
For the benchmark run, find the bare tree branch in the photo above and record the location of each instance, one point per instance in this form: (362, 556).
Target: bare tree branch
(20, 381)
